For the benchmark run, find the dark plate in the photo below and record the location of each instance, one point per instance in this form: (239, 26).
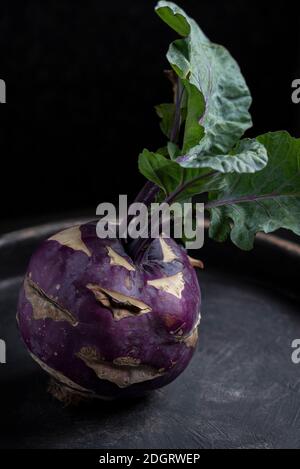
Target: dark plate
(240, 391)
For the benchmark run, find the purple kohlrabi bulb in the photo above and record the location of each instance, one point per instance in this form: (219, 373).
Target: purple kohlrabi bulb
(102, 325)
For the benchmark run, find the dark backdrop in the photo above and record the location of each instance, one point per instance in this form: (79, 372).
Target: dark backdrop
(83, 77)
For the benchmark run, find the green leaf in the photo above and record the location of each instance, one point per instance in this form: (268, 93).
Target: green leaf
(163, 151)
(264, 201)
(211, 69)
(165, 173)
(219, 229)
(195, 108)
(172, 15)
(173, 150)
(166, 112)
(248, 156)
(170, 176)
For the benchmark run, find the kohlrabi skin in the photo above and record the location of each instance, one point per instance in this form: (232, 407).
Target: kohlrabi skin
(108, 318)
(102, 325)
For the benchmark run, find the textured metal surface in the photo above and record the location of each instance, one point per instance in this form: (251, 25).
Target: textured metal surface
(240, 391)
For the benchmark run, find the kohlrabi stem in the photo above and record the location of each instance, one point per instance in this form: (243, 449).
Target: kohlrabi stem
(150, 190)
(243, 198)
(148, 193)
(139, 245)
(182, 187)
(177, 116)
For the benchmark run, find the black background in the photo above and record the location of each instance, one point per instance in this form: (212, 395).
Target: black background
(82, 79)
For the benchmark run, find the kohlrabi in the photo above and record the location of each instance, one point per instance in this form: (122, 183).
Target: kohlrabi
(109, 318)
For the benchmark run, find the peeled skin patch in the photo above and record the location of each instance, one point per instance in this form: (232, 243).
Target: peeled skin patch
(196, 263)
(168, 254)
(121, 306)
(116, 259)
(192, 339)
(45, 307)
(128, 283)
(71, 237)
(60, 376)
(173, 284)
(121, 374)
(127, 361)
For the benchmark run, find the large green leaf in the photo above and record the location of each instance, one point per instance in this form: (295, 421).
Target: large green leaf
(174, 16)
(245, 204)
(212, 70)
(249, 156)
(171, 178)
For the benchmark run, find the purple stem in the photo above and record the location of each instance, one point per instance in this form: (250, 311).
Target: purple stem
(139, 246)
(243, 198)
(148, 193)
(177, 118)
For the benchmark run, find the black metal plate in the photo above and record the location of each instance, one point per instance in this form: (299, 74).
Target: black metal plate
(240, 391)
